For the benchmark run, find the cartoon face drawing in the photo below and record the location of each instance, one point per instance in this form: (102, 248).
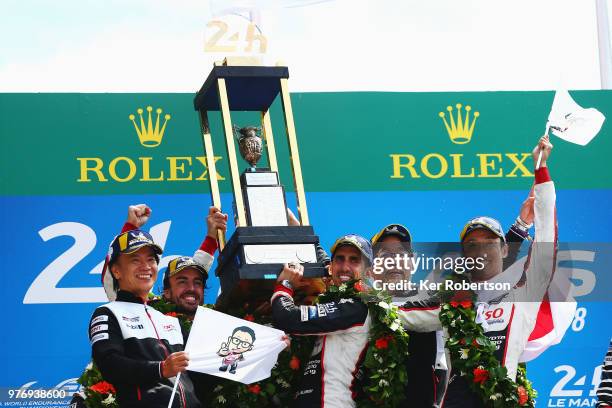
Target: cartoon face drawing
(240, 341)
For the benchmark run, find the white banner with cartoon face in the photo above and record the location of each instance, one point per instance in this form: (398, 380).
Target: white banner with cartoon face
(232, 348)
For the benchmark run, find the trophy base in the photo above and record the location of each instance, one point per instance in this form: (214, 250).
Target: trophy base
(253, 258)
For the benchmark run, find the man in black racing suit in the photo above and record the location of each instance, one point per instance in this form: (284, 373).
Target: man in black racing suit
(138, 349)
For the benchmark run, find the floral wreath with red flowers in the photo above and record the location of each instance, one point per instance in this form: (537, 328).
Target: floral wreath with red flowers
(472, 354)
(385, 374)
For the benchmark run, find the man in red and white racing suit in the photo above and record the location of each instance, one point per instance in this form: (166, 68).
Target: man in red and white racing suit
(331, 376)
(509, 317)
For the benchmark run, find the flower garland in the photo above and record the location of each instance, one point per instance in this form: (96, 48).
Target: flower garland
(386, 377)
(98, 392)
(472, 354)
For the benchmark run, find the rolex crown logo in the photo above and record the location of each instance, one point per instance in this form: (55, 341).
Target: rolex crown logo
(149, 135)
(460, 128)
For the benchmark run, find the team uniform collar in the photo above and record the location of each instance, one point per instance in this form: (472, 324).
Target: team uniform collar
(125, 296)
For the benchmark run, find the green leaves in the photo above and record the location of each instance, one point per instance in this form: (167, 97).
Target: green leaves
(472, 352)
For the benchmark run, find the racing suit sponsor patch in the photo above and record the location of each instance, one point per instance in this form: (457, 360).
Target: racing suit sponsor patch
(308, 313)
(100, 327)
(101, 318)
(99, 336)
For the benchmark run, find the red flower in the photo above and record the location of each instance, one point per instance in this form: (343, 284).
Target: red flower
(462, 342)
(255, 389)
(463, 298)
(382, 343)
(522, 394)
(359, 286)
(480, 375)
(103, 388)
(249, 317)
(466, 304)
(171, 314)
(294, 363)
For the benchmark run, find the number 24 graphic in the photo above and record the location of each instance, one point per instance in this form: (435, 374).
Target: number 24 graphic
(44, 288)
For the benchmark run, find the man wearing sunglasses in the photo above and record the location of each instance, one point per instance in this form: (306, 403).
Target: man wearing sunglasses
(507, 317)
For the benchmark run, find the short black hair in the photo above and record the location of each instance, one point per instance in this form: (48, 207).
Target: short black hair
(245, 329)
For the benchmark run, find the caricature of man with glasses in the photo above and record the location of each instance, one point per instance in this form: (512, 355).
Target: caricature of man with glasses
(238, 343)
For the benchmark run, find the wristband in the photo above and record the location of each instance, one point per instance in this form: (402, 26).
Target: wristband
(522, 225)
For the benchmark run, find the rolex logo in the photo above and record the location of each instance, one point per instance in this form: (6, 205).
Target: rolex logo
(460, 128)
(148, 135)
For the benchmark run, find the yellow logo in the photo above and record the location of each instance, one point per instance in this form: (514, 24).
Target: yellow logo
(148, 135)
(460, 130)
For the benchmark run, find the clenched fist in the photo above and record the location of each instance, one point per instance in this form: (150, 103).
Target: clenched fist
(138, 215)
(215, 221)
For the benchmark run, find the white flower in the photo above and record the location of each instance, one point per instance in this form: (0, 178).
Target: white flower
(221, 399)
(384, 305)
(283, 383)
(218, 388)
(342, 288)
(383, 383)
(380, 360)
(109, 400)
(394, 326)
(89, 366)
(464, 353)
(452, 323)
(495, 396)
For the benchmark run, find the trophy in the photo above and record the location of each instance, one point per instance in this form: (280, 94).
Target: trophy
(250, 261)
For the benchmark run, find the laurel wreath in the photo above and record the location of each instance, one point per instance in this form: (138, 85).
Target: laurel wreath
(472, 354)
(386, 377)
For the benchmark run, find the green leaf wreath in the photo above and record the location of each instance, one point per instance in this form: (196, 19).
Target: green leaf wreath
(472, 354)
(386, 377)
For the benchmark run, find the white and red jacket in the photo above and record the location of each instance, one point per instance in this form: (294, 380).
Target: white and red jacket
(510, 319)
(332, 375)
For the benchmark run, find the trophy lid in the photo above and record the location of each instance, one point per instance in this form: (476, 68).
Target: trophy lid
(250, 88)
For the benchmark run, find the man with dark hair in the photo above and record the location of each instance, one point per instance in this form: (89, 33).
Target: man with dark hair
(139, 214)
(507, 317)
(184, 281)
(426, 362)
(138, 349)
(342, 327)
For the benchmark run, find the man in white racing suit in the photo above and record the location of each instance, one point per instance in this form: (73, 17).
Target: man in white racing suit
(331, 376)
(507, 317)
